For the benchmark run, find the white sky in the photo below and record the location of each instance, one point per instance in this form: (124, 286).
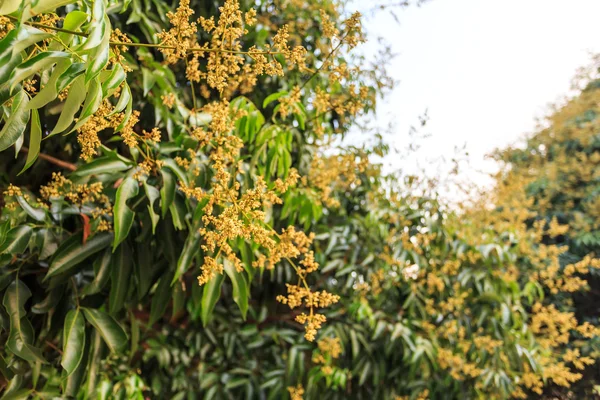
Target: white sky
(484, 70)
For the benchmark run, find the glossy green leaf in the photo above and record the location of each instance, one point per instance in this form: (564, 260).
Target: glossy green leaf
(210, 295)
(102, 270)
(112, 333)
(190, 249)
(99, 57)
(73, 340)
(123, 216)
(35, 139)
(17, 240)
(102, 165)
(73, 251)
(72, 104)
(17, 122)
(160, 300)
(167, 191)
(120, 276)
(241, 292)
(152, 194)
(21, 332)
(35, 64)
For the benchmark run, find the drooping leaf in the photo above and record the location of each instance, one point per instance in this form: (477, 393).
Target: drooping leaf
(73, 340)
(160, 300)
(190, 249)
(167, 191)
(17, 122)
(241, 293)
(102, 269)
(74, 99)
(72, 252)
(112, 333)
(121, 267)
(210, 296)
(35, 139)
(123, 216)
(17, 240)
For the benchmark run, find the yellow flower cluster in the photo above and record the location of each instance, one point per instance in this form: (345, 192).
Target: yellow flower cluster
(296, 392)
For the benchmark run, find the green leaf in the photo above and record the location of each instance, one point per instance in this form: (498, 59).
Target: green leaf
(92, 102)
(102, 165)
(161, 297)
(172, 165)
(121, 267)
(167, 191)
(190, 249)
(272, 97)
(17, 122)
(35, 139)
(124, 100)
(152, 194)
(17, 240)
(42, 6)
(72, 252)
(102, 268)
(114, 80)
(112, 333)
(148, 80)
(123, 216)
(240, 287)
(71, 73)
(72, 22)
(9, 6)
(210, 296)
(28, 35)
(74, 99)
(35, 64)
(73, 340)
(21, 332)
(99, 57)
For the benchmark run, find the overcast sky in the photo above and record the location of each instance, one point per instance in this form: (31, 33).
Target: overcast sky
(484, 69)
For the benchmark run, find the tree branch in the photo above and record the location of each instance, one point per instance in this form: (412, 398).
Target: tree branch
(53, 160)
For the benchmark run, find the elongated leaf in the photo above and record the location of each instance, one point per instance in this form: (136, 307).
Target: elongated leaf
(210, 296)
(99, 57)
(21, 332)
(16, 123)
(148, 80)
(91, 104)
(123, 216)
(49, 91)
(112, 333)
(17, 240)
(71, 73)
(72, 22)
(72, 252)
(74, 99)
(190, 249)
(121, 267)
(98, 26)
(114, 80)
(49, 302)
(35, 64)
(26, 36)
(35, 139)
(240, 287)
(167, 191)
(152, 194)
(102, 268)
(161, 297)
(73, 340)
(102, 165)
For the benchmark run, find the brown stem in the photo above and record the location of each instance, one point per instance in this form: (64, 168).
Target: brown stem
(53, 160)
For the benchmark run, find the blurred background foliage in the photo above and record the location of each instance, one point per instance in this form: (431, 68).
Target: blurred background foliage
(491, 299)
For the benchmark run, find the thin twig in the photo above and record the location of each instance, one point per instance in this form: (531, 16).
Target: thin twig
(148, 45)
(53, 160)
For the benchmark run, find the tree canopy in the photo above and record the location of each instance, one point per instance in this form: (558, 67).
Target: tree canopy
(181, 220)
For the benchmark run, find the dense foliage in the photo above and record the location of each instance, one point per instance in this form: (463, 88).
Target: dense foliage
(180, 224)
